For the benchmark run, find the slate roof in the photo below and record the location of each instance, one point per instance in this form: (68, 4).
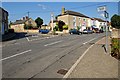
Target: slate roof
(99, 19)
(74, 13)
(19, 22)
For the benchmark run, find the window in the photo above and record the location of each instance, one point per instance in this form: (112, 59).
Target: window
(84, 22)
(84, 19)
(74, 18)
(74, 22)
(79, 21)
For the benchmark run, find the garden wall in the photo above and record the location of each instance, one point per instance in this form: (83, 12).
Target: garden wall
(32, 31)
(115, 33)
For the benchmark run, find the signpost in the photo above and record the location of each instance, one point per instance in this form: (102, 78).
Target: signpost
(103, 10)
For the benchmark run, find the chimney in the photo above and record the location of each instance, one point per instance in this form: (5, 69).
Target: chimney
(23, 18)
(63, 11)
(26, 17)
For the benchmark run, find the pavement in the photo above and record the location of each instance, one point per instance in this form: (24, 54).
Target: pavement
(95, 63)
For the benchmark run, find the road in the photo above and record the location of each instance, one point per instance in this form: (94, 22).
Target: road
(44, 57)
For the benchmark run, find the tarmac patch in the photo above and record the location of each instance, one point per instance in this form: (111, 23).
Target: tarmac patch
(62, 71)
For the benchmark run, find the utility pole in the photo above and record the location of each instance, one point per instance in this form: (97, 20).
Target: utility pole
(28, 19)
(52, 18)
(28, 14)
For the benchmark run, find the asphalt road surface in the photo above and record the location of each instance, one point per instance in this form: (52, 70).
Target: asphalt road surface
(44, 57)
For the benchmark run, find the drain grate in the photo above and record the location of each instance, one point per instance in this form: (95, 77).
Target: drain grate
(91, 43)
(62, 71)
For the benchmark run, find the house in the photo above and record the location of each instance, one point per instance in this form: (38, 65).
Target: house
(19, 25)
(99, 23)
(74, 19)
(3, 21)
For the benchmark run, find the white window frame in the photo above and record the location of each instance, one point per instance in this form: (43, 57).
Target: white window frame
(74, 21)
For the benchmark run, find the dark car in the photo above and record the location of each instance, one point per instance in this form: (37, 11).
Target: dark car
(101, 31)
(85, 31)
(44, 31)
(75, 31)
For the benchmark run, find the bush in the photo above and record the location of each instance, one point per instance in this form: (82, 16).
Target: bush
(115, 47)
(28, 27)
(11, 30)
(56, 28)
(78, 27)
(65, 27)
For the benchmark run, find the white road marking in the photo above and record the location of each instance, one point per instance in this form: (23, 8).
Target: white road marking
(42, 38)
(15, 55)
(77, 62)
(38, 39)
(89, 41)
(53, 43)
(27, 39)
(34, 36)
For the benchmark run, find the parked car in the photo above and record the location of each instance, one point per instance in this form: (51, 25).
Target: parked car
(75, 31)
(101, 31)
(85, 31)
(44, 31)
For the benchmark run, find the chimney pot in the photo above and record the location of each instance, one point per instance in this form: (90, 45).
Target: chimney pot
(63, 10)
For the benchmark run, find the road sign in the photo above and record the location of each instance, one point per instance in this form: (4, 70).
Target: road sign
(101, 8)
(106, 15)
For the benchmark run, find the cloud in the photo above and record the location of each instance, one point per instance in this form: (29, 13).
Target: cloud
(42, 6)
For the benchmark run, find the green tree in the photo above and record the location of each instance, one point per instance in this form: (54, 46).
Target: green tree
(60, 25)
(10, 24)
(39, 22)
(115, 21)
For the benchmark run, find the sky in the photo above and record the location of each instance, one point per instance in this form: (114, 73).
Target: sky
(17, 10)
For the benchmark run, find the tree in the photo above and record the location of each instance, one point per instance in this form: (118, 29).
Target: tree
(10, 24)
(39, 22)
(60, 25)
(115, 21)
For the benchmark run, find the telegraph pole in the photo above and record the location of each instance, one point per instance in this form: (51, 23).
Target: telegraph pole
(28, 14)
(28, 19)
(52, 18)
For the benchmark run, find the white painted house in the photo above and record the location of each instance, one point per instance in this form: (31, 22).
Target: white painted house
(99, 23)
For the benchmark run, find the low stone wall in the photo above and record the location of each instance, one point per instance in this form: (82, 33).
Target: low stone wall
(115, 33)
(32, 31)
(65, 31)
